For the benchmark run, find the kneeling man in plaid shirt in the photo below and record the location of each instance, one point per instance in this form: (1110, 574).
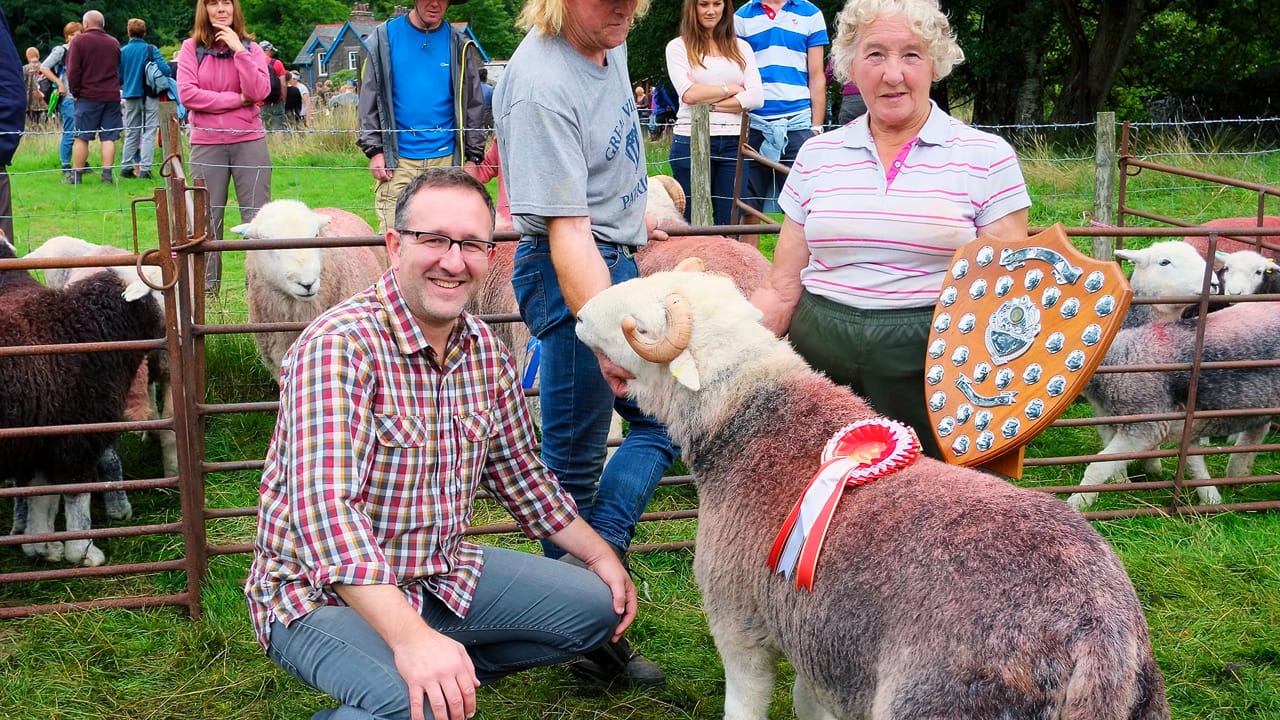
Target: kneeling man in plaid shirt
(396, 406)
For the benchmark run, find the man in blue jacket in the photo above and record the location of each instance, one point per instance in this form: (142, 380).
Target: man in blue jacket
(141, 108)
(13, 93)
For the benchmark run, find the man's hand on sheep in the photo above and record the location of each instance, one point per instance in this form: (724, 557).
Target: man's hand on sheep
(614, 375)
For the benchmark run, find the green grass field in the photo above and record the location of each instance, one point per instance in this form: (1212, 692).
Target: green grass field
(1210, 585)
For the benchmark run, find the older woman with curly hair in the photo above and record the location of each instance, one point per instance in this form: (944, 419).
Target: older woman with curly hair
(875, 210)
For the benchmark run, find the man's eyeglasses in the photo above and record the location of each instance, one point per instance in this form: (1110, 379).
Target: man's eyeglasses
(438, 243)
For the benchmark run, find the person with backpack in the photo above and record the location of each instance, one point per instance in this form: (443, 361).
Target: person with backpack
(54, 69)
(141, 101)
(271, 109)
(222, 76)
(12, 92)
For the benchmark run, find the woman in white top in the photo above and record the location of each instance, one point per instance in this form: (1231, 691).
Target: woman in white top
(709, 65)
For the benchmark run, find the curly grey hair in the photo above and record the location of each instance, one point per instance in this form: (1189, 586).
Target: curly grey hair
(924, 16)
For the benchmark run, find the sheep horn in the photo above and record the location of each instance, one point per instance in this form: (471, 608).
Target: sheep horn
(675, 341)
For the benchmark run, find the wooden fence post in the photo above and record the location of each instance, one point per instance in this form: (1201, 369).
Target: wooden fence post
(1104, 182)
(700, 166)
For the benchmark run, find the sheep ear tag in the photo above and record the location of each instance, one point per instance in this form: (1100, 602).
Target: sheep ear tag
(1018, 331)
(856, 455)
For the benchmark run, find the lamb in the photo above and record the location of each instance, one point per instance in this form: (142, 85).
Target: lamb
(941, 591)
(64, 389)
(1164, 269)
(297, 285)
(1228, 245)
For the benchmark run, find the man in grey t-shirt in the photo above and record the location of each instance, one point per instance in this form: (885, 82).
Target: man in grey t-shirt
(574, 167)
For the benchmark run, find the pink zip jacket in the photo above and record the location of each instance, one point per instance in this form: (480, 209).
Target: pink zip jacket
(212, 88)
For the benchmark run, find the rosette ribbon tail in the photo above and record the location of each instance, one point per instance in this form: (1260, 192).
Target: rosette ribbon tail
(819, 500)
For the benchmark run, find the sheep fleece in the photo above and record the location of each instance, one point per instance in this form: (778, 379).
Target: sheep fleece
(949, 591)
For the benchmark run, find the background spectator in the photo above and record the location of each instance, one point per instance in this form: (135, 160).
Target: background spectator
(221, 76)
(93, 75)
(709, 65)
(37, 104)
(272, 108)
(54, 68)
(409, 117)
(141, 108)
(787, 37)
(13, 94)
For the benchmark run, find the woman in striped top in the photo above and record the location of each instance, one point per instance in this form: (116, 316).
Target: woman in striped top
(875, 209)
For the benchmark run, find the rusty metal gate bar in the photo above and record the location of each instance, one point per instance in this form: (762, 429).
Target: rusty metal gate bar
(182, 217)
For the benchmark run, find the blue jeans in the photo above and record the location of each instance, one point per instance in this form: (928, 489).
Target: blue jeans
(764, 183)
(577, 405)
(528, 611)
(68, 112)
(724, 158)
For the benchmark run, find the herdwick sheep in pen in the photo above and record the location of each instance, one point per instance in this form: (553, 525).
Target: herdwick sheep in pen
(152, 376)
(296, 285)
(1248, 331)
(942, 592)
(1245, 272)
(64, 389)
(1164, 269)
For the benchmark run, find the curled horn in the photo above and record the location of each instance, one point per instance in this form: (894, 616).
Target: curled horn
(675, 341)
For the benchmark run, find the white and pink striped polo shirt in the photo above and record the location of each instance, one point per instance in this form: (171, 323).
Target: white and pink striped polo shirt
(883, 240)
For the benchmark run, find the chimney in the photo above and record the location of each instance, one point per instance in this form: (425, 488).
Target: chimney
(360, 12)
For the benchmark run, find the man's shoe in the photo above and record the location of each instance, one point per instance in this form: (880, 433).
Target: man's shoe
(107, 180)
(127, 173)
(72, 178)
(616, 663)
(144, 175)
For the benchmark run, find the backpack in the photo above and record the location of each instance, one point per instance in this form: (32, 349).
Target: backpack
(154, 82)
(276, 93)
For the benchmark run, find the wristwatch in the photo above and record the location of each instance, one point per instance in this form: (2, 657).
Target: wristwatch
(817, 129)
(724, 89)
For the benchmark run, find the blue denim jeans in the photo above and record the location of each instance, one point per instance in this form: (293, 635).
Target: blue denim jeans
(763, 182)
(528, 611)
(724, 158)
(67, 110)
(577, 405)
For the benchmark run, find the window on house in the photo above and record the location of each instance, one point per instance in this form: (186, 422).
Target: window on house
(324, 70)
(353, 60)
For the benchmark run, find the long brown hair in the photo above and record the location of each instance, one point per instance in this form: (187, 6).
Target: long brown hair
(722, 38)
(203, 32)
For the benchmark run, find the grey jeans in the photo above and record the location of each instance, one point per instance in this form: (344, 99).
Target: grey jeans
(249, 165)
(528, 611)
(141, 118)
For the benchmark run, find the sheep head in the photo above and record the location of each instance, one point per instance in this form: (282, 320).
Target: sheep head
(293, 272)
(676, 331)
(1166, 268)
(1245, 272)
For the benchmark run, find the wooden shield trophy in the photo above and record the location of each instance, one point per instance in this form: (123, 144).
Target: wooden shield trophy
(1018, 330)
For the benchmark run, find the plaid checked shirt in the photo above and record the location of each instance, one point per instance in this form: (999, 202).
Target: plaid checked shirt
(377, 454)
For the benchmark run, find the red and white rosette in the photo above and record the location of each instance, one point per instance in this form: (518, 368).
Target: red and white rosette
(855, 455)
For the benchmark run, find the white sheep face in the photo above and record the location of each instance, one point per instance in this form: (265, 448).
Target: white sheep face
(1164, 269)
(293, 272)
(722, 320)
(1243, 272)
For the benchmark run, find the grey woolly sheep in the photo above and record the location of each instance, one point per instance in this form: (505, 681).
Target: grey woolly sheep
(297, 285)
(64, 389)
(941, 592)
(1248, 331)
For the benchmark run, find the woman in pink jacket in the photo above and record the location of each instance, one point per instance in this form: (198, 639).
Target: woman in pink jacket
(221, 77)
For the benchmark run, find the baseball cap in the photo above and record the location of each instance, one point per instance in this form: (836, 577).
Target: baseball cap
(266, 46)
